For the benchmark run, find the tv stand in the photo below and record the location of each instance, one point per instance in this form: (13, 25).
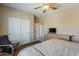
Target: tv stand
(58, 36)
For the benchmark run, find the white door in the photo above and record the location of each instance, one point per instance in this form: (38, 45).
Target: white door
(25, 31)
(39, 32)
(14, 29)
(19, 30)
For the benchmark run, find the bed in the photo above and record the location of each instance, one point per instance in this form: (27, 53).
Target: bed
(52, 47)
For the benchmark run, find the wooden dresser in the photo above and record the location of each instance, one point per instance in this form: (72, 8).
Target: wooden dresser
(58, 36)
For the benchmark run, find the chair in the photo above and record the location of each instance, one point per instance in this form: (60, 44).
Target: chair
(6, 47)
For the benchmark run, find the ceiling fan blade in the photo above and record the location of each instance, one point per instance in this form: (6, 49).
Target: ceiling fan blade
(37, 7)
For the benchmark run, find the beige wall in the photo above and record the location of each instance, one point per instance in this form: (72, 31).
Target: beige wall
(6, 12)
(66, 20)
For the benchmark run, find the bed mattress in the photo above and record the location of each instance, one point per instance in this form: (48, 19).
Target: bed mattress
(52, 47)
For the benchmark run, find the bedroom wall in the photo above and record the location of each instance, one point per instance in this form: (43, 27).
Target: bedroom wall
(6, 12)
(66, 20)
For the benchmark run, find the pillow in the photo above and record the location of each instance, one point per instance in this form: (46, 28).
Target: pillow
(4, 40)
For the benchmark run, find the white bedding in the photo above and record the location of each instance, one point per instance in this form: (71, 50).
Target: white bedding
(52, 47)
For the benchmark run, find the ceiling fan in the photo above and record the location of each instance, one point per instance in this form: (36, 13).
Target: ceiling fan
(47, 6)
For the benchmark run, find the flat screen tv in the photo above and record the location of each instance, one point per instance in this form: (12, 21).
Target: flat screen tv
(52, 30)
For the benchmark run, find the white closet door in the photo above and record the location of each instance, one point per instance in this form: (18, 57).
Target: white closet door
(19, 30)
(39, 32)
(14, 29)
(25, 24)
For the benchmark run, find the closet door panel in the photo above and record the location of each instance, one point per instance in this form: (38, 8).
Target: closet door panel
(25, 24)
(39, 32)
(37, 29)
(14, 29)
(19, 30)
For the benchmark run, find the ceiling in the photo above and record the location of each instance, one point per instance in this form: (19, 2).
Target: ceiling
(29, 7)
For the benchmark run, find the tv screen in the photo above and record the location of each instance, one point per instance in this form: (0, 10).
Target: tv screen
(52, 30)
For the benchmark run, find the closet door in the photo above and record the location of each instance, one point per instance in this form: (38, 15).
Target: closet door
(25, 28)
(14, 29)
(39, 32)
(19, 30)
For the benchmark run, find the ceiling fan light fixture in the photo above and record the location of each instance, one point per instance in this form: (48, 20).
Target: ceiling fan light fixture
(45, 7)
